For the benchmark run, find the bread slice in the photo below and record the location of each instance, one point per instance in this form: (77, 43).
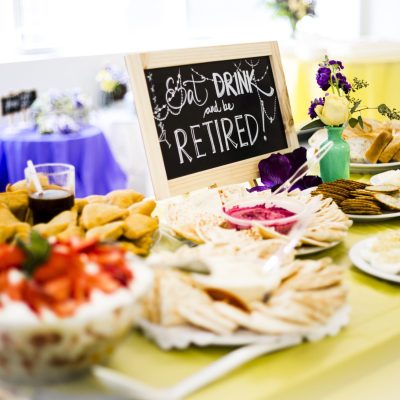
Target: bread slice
(391, 149)
(359, 142)
(396, 157)
(379, 144)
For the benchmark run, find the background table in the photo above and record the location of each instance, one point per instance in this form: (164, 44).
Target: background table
(97, 172)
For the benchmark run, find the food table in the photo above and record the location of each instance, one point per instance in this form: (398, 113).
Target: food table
(358, 361)
(97, 172)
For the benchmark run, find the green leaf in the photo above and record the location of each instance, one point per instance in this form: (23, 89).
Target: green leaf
(353, 122)
(360, 121)
(313, 124)
(355, 106)
(37, 251)
(382, 108)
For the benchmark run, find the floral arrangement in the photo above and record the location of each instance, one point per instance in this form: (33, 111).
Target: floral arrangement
(60, 111)
(278, 168)
(293, 10)
(339, 106)
(113, 80)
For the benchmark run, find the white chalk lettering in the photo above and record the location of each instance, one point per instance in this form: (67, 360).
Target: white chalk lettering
(240, 130)
(228, 134)
(219, 84)
(180, 146)
(207, 125)
(251, 138)
(239, 82)
(196, 141)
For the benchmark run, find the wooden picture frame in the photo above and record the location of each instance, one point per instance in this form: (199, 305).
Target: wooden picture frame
(234, 172)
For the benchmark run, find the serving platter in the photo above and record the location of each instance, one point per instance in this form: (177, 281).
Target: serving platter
(308, 250)
(181, 337)
(386, 215)
(357, 259)
(361, 168)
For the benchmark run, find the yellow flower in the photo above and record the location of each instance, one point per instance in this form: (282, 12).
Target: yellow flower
(335, 111)
(108, 86)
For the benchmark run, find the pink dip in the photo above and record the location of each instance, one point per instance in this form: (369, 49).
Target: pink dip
(261, 213)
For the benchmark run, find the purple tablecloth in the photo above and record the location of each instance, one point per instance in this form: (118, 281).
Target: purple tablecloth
(96, 169)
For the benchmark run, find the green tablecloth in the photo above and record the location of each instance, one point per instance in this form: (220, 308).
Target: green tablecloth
(362, 361)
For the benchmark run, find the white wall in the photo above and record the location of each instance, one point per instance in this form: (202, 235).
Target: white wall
(57, 73)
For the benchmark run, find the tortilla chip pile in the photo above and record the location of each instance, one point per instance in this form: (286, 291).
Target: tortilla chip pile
(310, 292)
(123, 215)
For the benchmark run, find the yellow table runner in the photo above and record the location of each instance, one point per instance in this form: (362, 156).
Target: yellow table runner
(362, 360)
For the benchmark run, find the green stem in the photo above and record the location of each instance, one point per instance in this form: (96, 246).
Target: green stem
(366, 108)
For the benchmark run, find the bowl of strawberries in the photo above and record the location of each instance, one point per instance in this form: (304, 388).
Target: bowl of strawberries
(64, 305)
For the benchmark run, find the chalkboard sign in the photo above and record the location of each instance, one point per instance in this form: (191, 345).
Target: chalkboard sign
(17, 102)
(209, 115)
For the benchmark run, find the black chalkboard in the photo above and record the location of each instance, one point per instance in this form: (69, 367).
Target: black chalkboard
(17, 102)
(10, 104)
(215, 113)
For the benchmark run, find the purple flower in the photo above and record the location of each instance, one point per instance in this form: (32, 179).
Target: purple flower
(323, 78)
(338, 63)
(342, 82)
(274, 170)
(306, 182)
(315, 103)
(277, 168)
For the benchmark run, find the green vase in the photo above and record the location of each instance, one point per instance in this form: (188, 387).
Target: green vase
(336, 163)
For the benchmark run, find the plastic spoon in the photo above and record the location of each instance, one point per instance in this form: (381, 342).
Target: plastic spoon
(134, 389)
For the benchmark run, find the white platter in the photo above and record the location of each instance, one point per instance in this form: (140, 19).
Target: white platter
(307, 250)
(384, 179)
(375, 218)
(182, 336)
(357, 259)
(359, 168)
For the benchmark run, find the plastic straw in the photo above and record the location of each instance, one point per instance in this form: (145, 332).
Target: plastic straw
(34, 176)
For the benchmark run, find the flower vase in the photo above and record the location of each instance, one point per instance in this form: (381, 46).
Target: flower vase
(336, 163)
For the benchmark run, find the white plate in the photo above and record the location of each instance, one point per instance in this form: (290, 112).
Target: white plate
(182, 336)
(386, 178)
(359, 168)
(357, 259)
(306, 250)
(375, 218)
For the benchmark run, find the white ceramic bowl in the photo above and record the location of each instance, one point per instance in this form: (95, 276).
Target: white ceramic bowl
(52, 349)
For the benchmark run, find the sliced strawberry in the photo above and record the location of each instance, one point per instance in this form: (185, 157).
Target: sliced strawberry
(58, 289)
(14, 292)
(33, 296)
(57, 265)
(80, 290)
(10, 256)
(64, 308)
(121, 274)
(82, 245)
(103, 282)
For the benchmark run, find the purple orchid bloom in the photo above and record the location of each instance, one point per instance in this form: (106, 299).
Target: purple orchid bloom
(277, 169)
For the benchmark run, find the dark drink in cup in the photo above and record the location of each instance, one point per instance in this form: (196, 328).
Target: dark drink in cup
(47, 204)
